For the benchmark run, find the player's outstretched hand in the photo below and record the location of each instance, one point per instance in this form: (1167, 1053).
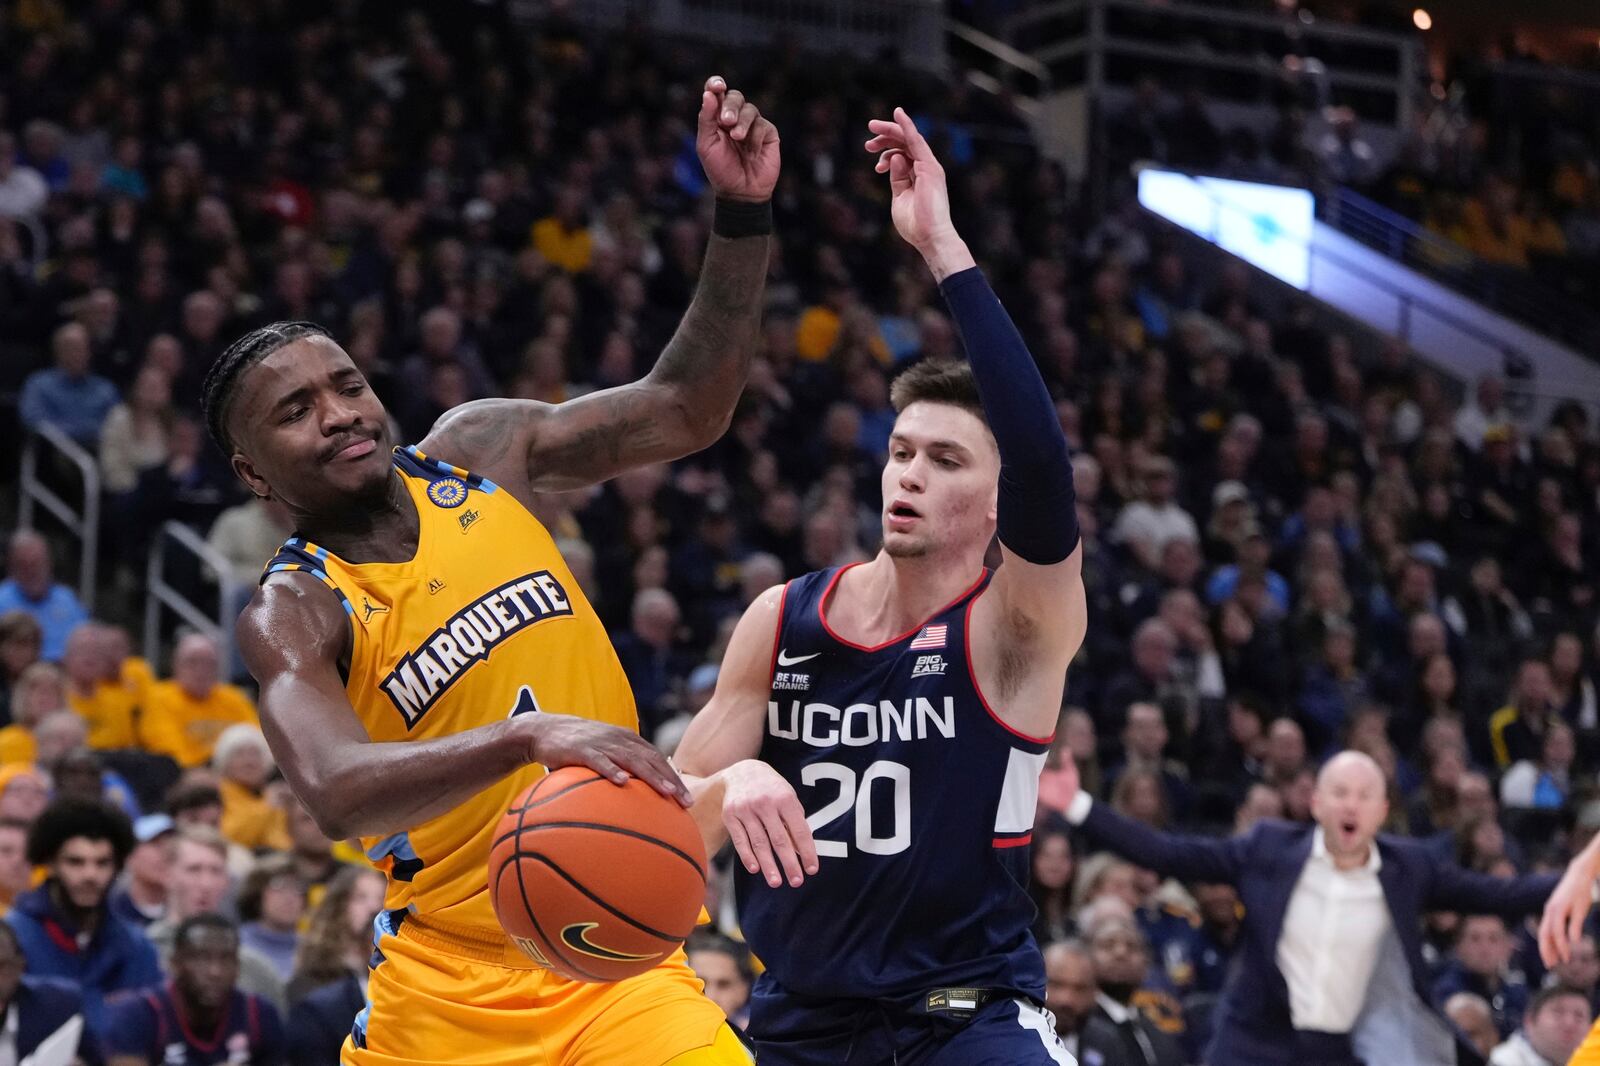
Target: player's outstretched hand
(610, 751)
(920, 200)
(738, 147)
(1565, 910)
(767, 824)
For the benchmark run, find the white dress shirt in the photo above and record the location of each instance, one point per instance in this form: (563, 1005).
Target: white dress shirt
(1331, 937)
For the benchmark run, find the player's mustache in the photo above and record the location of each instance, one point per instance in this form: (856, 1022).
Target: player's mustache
(341, 443)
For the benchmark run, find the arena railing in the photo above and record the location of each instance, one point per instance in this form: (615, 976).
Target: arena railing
(161, 593)
(1513, 292)
(914, 29)
(48, 443)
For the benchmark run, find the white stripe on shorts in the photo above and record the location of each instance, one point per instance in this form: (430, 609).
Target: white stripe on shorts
(1044, 1023)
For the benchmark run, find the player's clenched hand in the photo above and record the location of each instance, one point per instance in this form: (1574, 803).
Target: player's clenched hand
(767, 824)
(610, 751)
(1565, 911)
(920, 200)
(738, 147)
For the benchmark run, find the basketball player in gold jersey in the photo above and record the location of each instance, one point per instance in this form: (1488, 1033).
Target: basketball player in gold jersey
(423, 650)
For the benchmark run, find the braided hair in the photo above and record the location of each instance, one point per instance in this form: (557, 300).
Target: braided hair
(216, 393)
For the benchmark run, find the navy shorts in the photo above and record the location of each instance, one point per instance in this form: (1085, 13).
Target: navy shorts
(791, 1030)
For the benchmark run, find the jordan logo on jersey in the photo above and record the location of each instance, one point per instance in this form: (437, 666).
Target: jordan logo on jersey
(426, 673)
(368, 609)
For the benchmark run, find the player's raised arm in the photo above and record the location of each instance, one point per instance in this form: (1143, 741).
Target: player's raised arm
(686, 400)
(1036, 601)
(292, 636)
(737, 796)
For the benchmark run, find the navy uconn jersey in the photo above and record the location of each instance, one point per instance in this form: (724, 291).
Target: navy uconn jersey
(921, 802)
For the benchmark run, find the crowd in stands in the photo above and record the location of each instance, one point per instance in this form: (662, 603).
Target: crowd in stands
(1288, 550)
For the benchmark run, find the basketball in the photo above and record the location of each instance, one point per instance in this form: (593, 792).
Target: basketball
(596, 881)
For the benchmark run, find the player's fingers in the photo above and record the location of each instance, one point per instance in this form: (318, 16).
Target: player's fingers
(741, 843)
(732, 103)
(601, 764)
(716, 84)
(782, 846)
(1575, 917)
(915, 142)
(901, 175)
(650, 766)
(885, 127)
(748, 114)
(805, 845)
(761, 848)
(707, 119)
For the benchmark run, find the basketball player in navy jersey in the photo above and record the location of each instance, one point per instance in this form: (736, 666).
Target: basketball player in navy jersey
(874, 744)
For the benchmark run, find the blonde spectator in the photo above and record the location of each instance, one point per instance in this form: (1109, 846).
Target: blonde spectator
(243, 764)
(184, 716)
(58, 733)
(107, 705)
(39, 691)
(136, 432)
(24, 792)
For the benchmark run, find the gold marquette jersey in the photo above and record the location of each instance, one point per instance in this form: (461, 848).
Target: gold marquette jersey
(484, 622)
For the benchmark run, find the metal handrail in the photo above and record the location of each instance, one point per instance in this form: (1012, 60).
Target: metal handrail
(85, 525)
(1520, 297)
(1406, 300)
(1222, 16)
(1001, 52)
(162, 594)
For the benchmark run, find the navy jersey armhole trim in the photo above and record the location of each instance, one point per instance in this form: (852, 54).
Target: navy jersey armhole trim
(409, 459)
(299, 554)
(972, 672)
(777, 635)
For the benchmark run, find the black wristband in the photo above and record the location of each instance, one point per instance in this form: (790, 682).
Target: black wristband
(741, 218)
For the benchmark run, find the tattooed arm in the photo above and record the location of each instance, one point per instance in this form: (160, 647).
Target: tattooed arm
(686, 401)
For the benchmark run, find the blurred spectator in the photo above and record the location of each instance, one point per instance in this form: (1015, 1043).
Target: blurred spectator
(64, 925)
(243, 764)
(272, 900)
(1480, 965)
(1051, 885)
(338, 940)
(24, 792)
(1517, 729)
(22, 189)
(67, 395)
(1144, 739)
(21, 641)
(1542, 784)
(1555, 1024)
(1121, 959)
(161, 1024)
(184, 716)
(199, 885)
(30, 586)
(329, 986)
(1148, 523)
(134, 437)
(248, 535)
(649, 656)
(1486, 411)
(724, 965)
(106, 705)
(140, 898)
(1072, 995)
(40, 691)
(1471, 1015)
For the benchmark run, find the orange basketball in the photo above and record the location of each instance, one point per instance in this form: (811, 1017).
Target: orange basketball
(597, 881)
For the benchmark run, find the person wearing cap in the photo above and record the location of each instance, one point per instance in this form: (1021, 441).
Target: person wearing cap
(1233, 515)
(1146, 524)
(140, 898)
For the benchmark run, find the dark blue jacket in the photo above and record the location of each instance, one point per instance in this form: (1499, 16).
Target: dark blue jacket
(319, 1023)
(1252, 1023)
(117, 957)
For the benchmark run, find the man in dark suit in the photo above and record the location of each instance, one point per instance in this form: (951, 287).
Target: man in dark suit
(1330, 966)
(1071, 992)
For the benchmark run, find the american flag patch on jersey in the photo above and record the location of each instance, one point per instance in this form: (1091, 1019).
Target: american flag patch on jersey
(930, 637)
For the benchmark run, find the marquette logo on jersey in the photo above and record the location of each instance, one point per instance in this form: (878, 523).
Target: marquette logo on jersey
(426, 672)
(928, 664)
(822, 725)
(448, 492)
